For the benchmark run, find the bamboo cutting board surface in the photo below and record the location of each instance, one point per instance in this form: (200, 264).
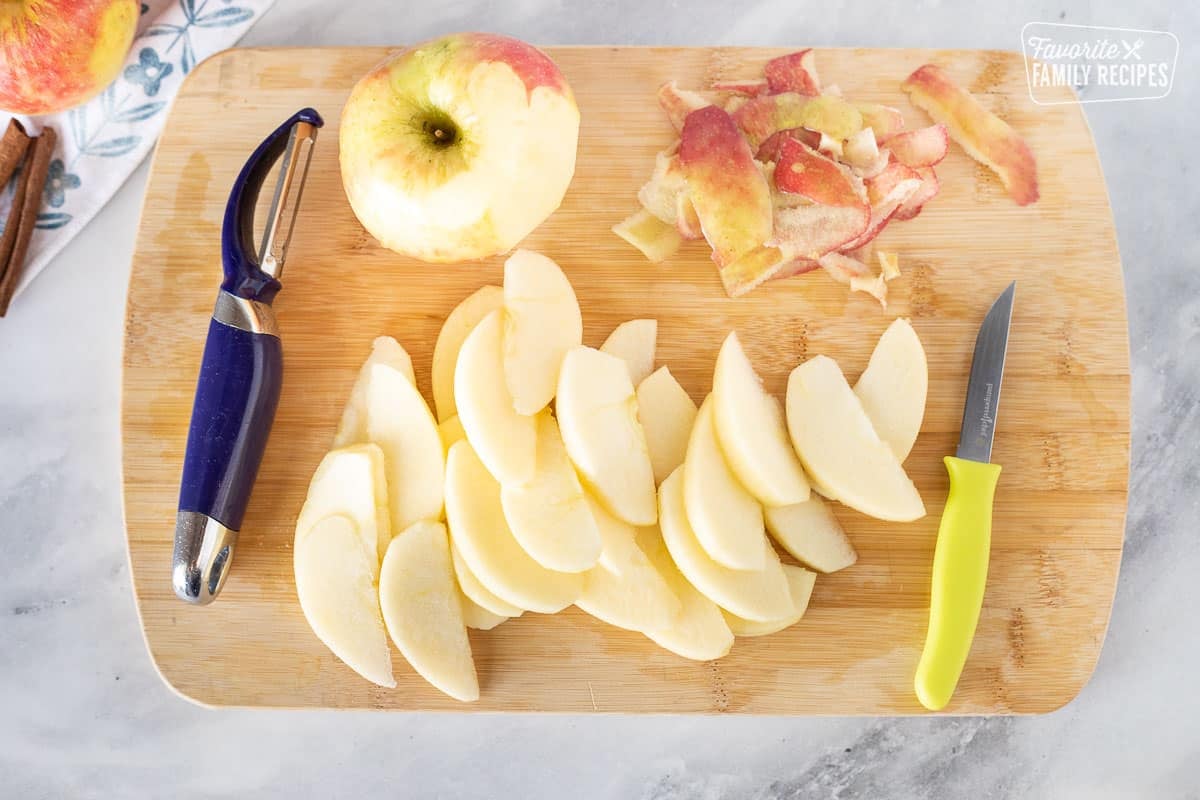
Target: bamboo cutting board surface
(1062, 436)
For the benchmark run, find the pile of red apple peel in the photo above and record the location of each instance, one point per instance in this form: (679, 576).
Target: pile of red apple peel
(781, 178)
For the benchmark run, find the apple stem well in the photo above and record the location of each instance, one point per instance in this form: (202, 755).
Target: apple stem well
(440, 129)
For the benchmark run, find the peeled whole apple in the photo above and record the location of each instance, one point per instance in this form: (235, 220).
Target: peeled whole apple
(55, 54)
(457, 148)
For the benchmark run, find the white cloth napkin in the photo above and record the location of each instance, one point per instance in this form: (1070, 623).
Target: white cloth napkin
(101, 142)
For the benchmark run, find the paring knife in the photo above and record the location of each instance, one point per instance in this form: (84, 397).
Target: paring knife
(960, 560)
(241, 370)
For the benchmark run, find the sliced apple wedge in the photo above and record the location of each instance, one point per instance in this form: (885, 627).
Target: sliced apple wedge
(462, 320)
(478, 618)
(667, 413)
(800, 586)
(893, 387)
(541, 323)
(615, 536)
(336, 583)
(750, 428)
(505, 440)
(725, 516)
(633, 596)
(839, 447)
(657, 240)
(353, 426)
(811, 534)
(634, 342)
(698, 632)
(597, 415)
(423, 612)
(488, 546)
(351, 481)
(451, 431)
(731, 196)
(399, 421)
(986, 138)
(756, 594)
(549, 516)
(475, 591)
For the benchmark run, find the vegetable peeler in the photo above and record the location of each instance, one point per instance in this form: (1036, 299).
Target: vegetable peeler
(242, 367)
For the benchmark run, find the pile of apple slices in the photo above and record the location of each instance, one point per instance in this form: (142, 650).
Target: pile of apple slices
(557, 474)
(782, 177)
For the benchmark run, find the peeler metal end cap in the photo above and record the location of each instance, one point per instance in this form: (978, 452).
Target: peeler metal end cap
(203, 550)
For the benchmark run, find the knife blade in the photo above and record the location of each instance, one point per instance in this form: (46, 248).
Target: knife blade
(960, 560)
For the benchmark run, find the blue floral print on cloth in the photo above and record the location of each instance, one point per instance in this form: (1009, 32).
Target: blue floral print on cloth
(149, 71)
(101, 142)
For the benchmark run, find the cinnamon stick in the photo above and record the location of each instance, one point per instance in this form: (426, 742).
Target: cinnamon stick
(30, 185)
(12, 149)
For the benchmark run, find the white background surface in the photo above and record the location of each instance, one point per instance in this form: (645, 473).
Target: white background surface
(83, 714)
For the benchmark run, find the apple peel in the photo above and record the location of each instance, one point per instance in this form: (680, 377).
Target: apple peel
(812, 231)
(795, 72)
(883, 211)
(930, 186)
(678, 103)
(802, 170)
(760, 117)
(656, 239)
(923, 147)
(983, 135)
(883, 120)
(730, 194)
(748, 87)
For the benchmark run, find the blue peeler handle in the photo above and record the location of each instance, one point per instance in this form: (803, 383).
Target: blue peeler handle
(241, 371)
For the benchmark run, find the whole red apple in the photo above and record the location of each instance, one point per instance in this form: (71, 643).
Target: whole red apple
(55, 54)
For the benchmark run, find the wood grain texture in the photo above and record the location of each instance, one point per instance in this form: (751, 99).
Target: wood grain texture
(1063, 430)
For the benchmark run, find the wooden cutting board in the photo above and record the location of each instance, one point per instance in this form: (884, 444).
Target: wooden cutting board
(1062, 437)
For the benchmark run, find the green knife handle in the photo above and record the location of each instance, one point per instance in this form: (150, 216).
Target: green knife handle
(960, 564)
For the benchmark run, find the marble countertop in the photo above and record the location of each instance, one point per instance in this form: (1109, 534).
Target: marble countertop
(85, 714)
